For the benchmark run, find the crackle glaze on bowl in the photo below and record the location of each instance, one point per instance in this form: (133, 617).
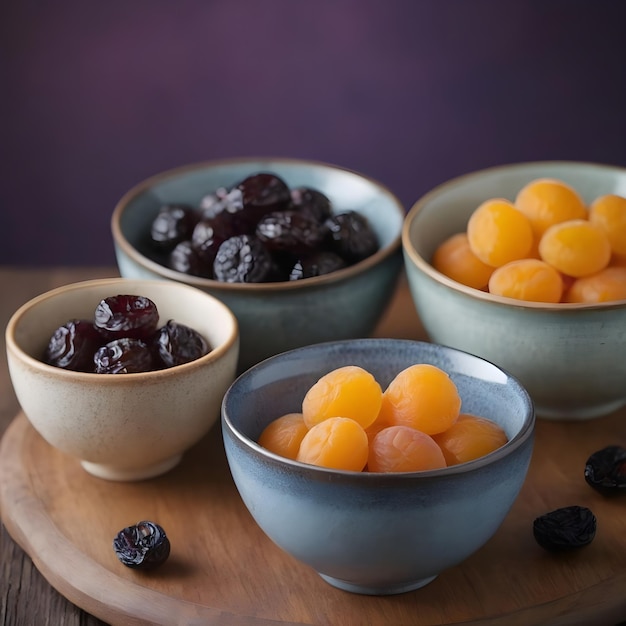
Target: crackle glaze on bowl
(122, 426)
(376, 533)
(570, 357)
(275, 317)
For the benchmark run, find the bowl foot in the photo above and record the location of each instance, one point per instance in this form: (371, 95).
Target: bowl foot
(110, 472)
(386, 590)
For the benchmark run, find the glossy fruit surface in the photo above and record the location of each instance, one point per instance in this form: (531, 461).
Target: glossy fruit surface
(607, 285)
(608, 213)
(73, 345)
(175, 344)
(455, 259)
(127, 316)
(284, 435)
(605, 470)
(527, 279)
(142, 546)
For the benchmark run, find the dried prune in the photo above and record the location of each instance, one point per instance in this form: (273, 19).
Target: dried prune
(123, 356)
(564, 529)
(351, 236)
(313, 202)
(207, 237)
(142, 546)
(127, 316)
(185, 258)
(173, 224)
(317, 264)
(176, 344)
(243, 259)
(73, 345)
(264, 193)
(605, 470)
(289, 231)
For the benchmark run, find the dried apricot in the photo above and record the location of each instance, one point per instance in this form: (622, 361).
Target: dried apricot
(469, 438)
(454, 258)
(546, 201)
(337, 443)
(608, 212)
(423, 397)
(527, 279)
(498, 233)
(404, 449)
(607, 285)
(576, 248)
(348, 391)
(284, 434)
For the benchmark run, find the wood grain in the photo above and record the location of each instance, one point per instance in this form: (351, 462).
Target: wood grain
(223, 570)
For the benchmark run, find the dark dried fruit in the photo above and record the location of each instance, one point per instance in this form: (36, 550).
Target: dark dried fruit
(264, 193)
(73, 345)
(290, 231)
(565, 529)
(127, 316)
(142, 546)
(176, 344)
(311, 201)
(316, 265)
(184, 258)
(243, 259)
(351, 236)
(123, 356)
(173, 224)
(605, 470)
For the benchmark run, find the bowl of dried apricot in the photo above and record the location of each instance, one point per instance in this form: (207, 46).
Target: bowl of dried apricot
(300, 251)
(123, 375)
(525, 265)
(379, 463)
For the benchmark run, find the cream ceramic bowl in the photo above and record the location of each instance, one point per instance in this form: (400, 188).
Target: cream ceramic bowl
(278, 316)
(122, 426)
(570, 357)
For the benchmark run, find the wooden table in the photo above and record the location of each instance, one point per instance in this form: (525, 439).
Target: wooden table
(27, 598)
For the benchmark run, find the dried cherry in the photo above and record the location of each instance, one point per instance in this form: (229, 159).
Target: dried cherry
(125, 355)
(127, 316)
(605, 470)
(176, 344)
(73, 345)
(142, 546)
(351, 236)
(564, 529)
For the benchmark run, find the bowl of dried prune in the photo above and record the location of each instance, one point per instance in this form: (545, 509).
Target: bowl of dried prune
(300, 251)
(123, 375)
(379, 463)
(525, 265)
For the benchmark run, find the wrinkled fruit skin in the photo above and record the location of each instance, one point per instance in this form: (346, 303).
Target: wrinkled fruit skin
(127, 316)
(177, 344)
(142, 546)
(73, 345)
(605, 470)
(565, 529)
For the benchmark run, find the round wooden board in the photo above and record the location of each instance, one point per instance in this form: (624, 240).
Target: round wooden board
(223, 569)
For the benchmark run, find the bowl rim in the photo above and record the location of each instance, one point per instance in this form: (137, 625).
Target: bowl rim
(279, 286)
(426, 268)
(526, 430)
(215, 354)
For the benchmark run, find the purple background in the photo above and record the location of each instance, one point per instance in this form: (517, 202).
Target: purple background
(97, 96)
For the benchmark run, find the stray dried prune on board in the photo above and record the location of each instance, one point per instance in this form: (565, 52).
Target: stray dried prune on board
(142, 546)
(565, 529)
(605, 470)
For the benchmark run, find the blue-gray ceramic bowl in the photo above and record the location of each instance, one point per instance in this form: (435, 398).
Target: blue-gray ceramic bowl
(365, 532)
(279, 316)
(570, 357)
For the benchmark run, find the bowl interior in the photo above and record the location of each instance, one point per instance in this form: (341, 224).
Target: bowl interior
(346, 189)
(446, 209)
(277, 385)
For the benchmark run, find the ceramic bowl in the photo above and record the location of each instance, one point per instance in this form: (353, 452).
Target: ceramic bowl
(122, 426)
(278, 316)
(375, 533)
(570, 357)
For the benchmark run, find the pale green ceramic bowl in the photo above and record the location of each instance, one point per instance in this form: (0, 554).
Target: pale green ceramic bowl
(570, 357)
(274, 317)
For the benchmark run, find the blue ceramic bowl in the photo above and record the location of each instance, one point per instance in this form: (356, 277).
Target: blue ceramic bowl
(570, 357)
(275, 317)
(365, 532)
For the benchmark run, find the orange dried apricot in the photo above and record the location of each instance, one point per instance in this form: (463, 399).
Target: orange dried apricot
(498, 233)
(404, 449)
(618, 260)
(284, 435)
(423, 397)
(608, 212)
(337, 443)
(454, 258)
(546, 201)
(469, 438)
(527, 279)
(607, 285)
(348, 391)
(576, 248)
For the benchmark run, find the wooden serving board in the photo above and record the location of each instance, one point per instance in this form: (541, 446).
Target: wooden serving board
(224, 570)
